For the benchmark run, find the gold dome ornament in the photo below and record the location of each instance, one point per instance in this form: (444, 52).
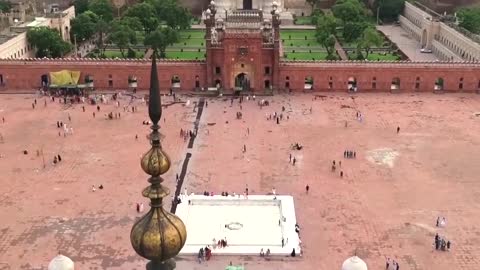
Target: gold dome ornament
(155, 162)
(159, 235)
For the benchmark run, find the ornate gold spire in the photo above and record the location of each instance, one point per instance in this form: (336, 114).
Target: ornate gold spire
(159, 235)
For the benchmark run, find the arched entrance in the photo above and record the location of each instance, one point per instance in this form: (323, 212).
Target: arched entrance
(395, 84)
(352, 84)
(242, 82)
(438, 84)
(44, 80)
(423, 40)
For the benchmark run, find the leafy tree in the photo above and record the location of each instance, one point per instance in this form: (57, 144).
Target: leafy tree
(172, 14)
(389, 9)
(160, 39)
(469, 19)
(80, 6)
(103, 8)
(370, 38)
(123, 36)
(325, 32)
(48, 42)
(5, 6)
(132, 22)
(353, 30)
(146, 14)
(348, 11)
(102, 28)
(84, 25)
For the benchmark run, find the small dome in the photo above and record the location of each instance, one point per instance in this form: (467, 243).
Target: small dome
(354, 263)
(277, 12)
(208, 11)
(61, 262)
(155, 162)
(212, 3)
(275, 4)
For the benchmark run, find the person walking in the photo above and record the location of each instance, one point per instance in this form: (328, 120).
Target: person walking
(398, 130)
(307, 188)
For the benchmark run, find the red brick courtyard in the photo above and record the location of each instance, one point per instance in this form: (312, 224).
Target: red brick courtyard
(386, 204)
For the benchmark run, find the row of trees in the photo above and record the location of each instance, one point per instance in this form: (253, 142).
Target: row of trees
(157, 21)
(388, 10)
(353, 20)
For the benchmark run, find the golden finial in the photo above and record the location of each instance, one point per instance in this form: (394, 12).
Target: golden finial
(159, 235)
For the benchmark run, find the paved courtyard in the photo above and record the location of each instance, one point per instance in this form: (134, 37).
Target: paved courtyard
(385, 205)
(406, 43)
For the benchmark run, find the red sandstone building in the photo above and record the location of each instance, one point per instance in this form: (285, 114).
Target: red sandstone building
(243, 53)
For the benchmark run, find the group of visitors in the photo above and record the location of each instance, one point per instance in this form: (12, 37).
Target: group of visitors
(349, 154)
(441, 222)
(204, 254)
(57, 159)
(95, 189)
(265, 254)
(391, 265)
(441, 243)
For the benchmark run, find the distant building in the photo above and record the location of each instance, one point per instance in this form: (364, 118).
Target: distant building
(13, 38)
(448, 6)
(441, 38)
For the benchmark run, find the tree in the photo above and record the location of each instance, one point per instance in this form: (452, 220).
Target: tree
(172, 14)
(325, 33)
(103, 8)
(146, 14)
(389, 9)
(80, 6)
(160, 39)
(469, 19)
(48, 42)
(370, 38)
(353, 30)
(5, 6)
(123, 37)
(102, 27)
(132, 22)
(84, 25)
(348, 11)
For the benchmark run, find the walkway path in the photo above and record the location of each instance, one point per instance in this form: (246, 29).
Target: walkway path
(340, 51)
(406, 43)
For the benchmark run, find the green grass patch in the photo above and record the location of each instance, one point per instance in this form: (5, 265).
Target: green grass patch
(185, 55)
(377, 57)
(297, 34)
(192, 33)
(306, 55)
(305, 20)
(301, 43)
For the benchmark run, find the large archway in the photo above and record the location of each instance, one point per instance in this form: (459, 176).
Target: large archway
(242, 82)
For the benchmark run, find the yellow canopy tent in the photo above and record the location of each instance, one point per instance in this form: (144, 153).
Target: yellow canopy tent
(64, 77)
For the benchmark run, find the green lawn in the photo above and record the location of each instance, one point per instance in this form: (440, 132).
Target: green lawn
(186, 55)
(306, 20)
(296, 38)
(297, 34)
(301, 43)
(306, 56)
(117, 53)
(193, 42)
(192, 33)
(378, 57)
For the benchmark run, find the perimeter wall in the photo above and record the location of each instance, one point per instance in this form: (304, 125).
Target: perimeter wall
(22, 75)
